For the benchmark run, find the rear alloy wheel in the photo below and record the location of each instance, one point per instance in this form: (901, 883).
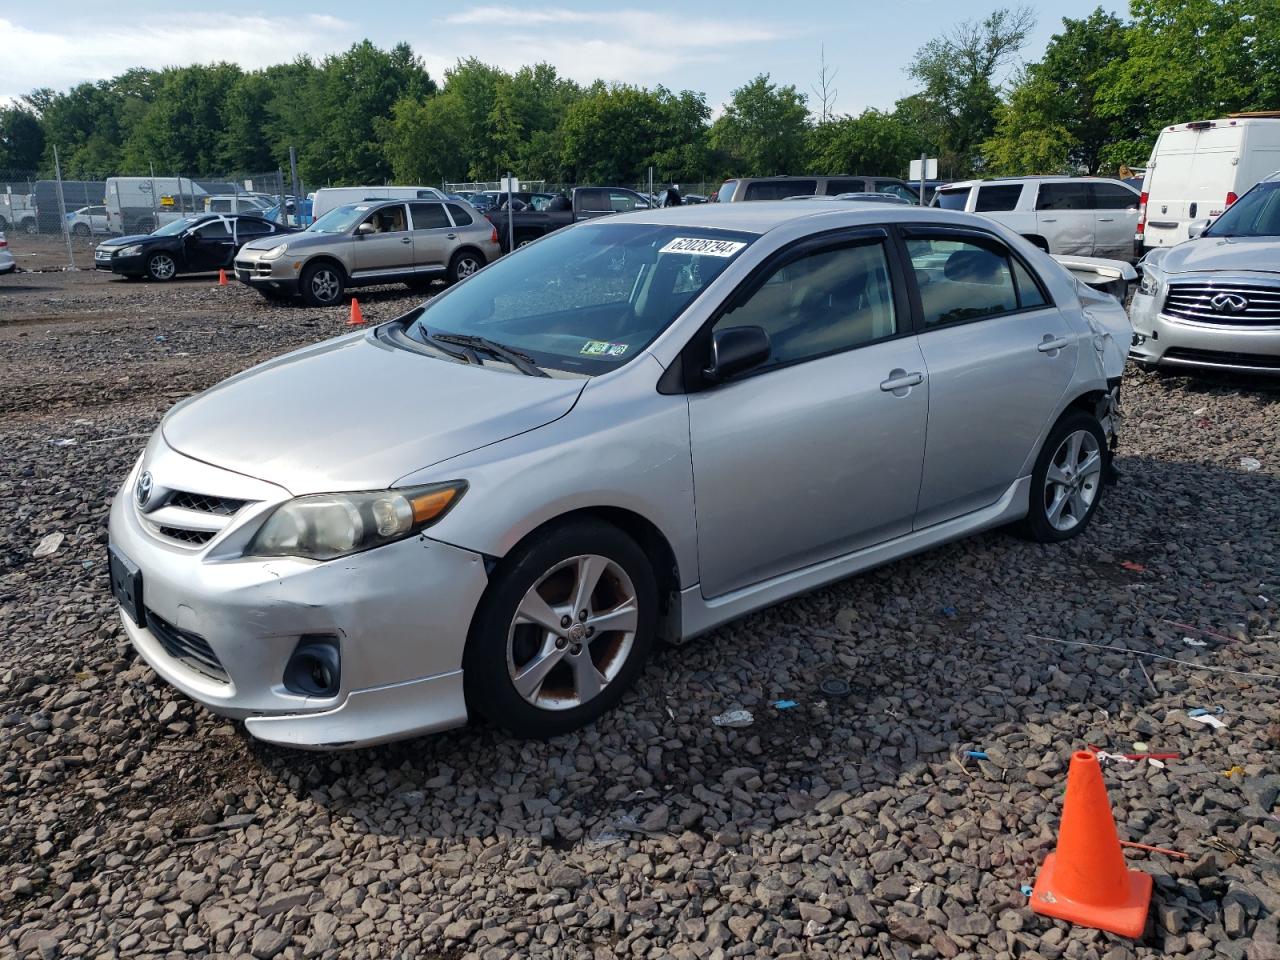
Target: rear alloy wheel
(321, 285)
(1066, 484)
(80, 229)
(463, 265)
(30, 226)
(563, 631)
(161, 266)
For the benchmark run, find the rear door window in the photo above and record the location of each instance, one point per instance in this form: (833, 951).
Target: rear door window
(780, 189)
(1112, 196)
(1064, 196)
(428, 216)
(596, 201)
(953, 199)
(996, 197)
(849, 185)
(620, 201)
(962, 279)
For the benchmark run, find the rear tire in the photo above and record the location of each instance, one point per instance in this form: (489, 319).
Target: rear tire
(80, 229)
(29, 225)
(464, 264)
(533, 665)
(321, 284)
(1067, 480)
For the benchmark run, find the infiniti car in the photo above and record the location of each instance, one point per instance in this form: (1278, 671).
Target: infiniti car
(634, 429)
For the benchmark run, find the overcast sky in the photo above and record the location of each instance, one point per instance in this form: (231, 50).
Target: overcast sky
(710, 46)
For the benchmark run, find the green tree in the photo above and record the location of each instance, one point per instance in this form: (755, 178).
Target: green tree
(21, 139)
(875, 143)
(613, 134)
(956, 105)
(763, 130)
(180, 131)
(422, 140)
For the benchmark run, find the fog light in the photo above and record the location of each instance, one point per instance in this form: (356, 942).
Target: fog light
(1138, 340)
(314, 669)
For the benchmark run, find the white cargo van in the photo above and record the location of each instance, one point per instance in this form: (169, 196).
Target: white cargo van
(326, 198)
(140, 204)
(1198, 169)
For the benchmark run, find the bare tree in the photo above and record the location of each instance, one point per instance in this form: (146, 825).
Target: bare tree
(824, 90)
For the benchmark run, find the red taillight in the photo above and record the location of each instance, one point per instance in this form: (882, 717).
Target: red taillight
(1142, 213)
(494, 237)
(3, 243)
(1231, 197)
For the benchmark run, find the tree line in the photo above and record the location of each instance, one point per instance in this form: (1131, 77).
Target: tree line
(1096, 99)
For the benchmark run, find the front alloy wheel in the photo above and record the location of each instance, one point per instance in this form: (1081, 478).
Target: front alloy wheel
(161, 266)
(321, 285)
(563, 630)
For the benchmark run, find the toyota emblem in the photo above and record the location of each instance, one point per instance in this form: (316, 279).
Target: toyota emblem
(142, 492)
(1229, 303)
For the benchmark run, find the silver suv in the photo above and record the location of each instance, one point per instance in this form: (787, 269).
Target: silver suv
(360, 244)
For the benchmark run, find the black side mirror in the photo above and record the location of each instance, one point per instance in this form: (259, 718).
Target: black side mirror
(735, 349)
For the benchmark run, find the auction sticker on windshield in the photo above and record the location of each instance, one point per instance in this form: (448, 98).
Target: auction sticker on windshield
(703, 247)
(602, 348)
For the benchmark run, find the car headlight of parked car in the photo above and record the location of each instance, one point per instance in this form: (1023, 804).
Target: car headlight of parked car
(1150, 284)
(331, 525)
(275, 253)
(130, 251)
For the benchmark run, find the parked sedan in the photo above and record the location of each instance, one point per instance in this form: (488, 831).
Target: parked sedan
(486, 506)
(200, 244)
(1214, 301)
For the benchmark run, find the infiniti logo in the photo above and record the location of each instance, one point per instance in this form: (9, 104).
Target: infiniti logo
(142, 492)
(1229, 303)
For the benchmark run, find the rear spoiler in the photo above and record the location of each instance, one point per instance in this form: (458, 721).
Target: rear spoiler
(1108, 276)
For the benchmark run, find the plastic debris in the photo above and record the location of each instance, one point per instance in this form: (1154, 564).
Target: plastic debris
(834, 687)
(1140, 747)
(1249, 464)
(1026, 889)
(1200, 413)
(48, 546)
(64, 442)
(1158, 764)
(1135, 567)
(1201, 711)
(948, 611)
(785, 704)
(976, 755)
(161, 338)
(1235, 771)
(86, 564)
(1104, 757)
(1143, 846)
(1193, 642)
(734, 718)
(1209, 720)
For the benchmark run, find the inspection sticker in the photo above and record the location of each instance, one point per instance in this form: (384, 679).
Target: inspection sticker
(602, 348)
(703, 247)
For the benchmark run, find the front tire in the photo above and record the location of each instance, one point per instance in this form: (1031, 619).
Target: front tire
(464, 264)
(161, 267)
(1067, 481)
(563, 630)
(80, 229)
(321, 285)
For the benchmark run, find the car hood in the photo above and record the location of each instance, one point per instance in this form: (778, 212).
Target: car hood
(125, 241)
(1223, 253)
(358, 414)
(298, 239)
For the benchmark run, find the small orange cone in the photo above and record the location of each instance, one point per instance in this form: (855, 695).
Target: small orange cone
(222, 278)
(1085, 880)
(357, 318)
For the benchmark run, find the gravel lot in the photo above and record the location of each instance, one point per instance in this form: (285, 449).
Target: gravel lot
(133, 823)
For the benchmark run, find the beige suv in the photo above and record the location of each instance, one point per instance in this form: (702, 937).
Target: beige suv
(373, 242)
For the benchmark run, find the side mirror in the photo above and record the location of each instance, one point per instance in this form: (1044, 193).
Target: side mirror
(735, 349)
(365, 230)
(1197, 227)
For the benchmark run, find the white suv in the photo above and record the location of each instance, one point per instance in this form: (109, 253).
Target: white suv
(1086, 216)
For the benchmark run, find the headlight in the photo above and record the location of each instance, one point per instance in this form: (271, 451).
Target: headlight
(331, 525)
(130, 251)
(275, 253)
(1150, 284)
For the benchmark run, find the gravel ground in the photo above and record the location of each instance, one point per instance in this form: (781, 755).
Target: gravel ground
(133, 823)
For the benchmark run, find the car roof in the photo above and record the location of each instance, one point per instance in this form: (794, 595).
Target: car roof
(761, 216)
(1037, 178)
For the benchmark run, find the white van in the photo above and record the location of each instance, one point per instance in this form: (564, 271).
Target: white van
(140, 204)
(326, 198)
(1198, 169)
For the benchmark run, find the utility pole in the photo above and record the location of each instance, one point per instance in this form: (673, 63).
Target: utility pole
(297, 187)
(511, 221)
(62, 210)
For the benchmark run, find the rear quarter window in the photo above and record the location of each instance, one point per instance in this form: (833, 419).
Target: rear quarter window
(953, 199)
(996, 197)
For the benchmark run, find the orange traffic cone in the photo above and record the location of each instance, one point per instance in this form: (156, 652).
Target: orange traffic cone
(357, 318)
(1085, 880)
(222, 278)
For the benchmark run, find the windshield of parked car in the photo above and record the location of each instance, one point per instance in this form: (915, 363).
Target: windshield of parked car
(1256, 214)
(586, 299)
(175, 227)
(340, 219)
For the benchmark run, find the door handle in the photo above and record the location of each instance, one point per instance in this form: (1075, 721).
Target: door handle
(451, 236)
(406, 239)
(1048, 219)
(1106, 219)
(899, 379)
(1052, 344)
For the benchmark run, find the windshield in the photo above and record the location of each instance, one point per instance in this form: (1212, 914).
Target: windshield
(1256, 214)
(340, 219)
(953, 199)
(589, 298)
(174, 227)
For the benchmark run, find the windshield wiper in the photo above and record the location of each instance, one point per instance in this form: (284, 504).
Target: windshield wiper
(467, 354)
(521, 361)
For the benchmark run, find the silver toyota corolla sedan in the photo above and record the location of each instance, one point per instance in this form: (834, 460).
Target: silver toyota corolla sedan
(636, 428)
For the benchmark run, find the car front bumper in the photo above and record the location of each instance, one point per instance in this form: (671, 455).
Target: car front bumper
(1159, 339)
(278, 275)
(399, 615)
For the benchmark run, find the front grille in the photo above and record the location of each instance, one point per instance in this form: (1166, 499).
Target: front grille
(202, 503)
(1222, 358)
(189, 649)
(1257, 305)
(194, 537)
